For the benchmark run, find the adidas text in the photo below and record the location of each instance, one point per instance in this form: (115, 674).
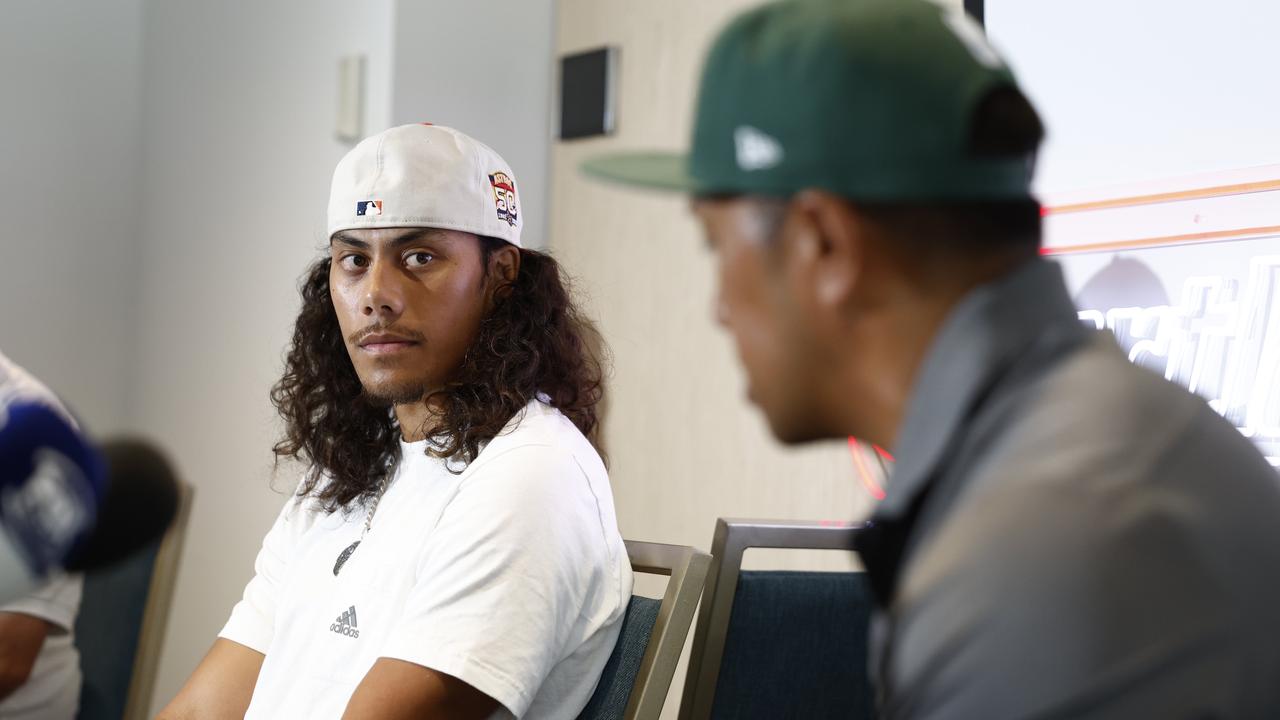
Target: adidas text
(345, 630)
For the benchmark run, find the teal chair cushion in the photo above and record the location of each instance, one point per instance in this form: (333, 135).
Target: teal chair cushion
(609, 702)
(796, 647)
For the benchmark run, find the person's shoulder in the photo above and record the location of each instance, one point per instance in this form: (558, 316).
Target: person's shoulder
(1099, 436)
(16, 384)
(1102, 454)
(1098, 416)
(540, 460)
(1100, 383)
(538, 433)
(302, 506)
(1098, 444)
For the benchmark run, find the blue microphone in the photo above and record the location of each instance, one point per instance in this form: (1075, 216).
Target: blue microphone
(52, 483)
(65, 505)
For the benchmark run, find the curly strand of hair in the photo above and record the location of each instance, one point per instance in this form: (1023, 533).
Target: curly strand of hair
(535, 342)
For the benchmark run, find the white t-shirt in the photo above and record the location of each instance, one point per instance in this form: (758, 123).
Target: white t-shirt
(53, 690)
(510, 576)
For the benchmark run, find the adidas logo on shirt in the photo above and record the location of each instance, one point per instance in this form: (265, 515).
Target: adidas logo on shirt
(346, 623)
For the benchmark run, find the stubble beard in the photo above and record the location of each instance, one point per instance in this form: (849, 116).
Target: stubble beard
(396, 393)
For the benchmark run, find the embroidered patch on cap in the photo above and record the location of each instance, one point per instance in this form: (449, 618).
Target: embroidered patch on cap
(504, 193)
(369, 207)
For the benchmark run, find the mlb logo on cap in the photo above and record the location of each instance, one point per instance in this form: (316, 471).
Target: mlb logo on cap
(369, 207)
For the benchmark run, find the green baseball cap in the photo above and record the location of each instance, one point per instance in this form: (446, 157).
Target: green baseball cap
(869, 99)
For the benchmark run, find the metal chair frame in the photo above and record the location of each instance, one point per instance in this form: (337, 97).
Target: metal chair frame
(733, 537)
(687, 567)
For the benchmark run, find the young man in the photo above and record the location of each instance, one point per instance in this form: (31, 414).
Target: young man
(453, 551)
(1065, 535)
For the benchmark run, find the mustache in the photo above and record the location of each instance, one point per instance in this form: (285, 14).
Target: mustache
(358, 336)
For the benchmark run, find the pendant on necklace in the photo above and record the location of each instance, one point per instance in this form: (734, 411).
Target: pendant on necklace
(345, 556)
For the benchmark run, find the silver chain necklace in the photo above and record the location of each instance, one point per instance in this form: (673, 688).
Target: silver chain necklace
(345, 555)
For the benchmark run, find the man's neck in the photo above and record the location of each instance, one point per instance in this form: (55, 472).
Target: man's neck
(889, 348)
(417, 420)
(876, 387)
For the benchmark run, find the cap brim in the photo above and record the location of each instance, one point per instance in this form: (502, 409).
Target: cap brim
(656, 170)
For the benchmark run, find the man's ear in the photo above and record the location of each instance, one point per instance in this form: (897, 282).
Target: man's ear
(504, 268)
(830, 245)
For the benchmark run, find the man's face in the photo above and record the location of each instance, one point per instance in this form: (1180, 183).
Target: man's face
(753, 301)
(409, 303)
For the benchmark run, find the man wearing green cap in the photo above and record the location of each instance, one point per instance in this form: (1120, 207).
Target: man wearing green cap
(1065, 534)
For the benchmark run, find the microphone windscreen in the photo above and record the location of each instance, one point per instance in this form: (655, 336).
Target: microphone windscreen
(141, 502)
(51, 483)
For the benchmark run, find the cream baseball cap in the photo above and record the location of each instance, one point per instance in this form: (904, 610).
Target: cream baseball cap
(425, 175)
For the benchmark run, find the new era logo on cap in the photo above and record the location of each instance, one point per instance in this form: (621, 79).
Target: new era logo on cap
(756, 150)
(369, 207)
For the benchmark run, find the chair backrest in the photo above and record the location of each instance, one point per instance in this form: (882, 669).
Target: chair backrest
(636, 679)
(779, 643)
(121, 625)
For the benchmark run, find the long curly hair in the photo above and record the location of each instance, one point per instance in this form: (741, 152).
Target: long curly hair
(534, 342)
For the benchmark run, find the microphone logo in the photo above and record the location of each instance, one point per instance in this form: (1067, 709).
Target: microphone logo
(50, 510)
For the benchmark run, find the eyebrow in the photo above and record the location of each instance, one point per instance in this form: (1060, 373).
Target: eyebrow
(396, 242)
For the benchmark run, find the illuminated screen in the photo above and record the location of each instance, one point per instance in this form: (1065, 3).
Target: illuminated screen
(1204, 315)
(1161, 175)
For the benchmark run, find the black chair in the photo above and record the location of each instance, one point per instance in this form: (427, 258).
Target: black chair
(780, 644)
(638, 675)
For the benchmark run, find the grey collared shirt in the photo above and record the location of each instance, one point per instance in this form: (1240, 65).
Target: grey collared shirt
(1079, 537)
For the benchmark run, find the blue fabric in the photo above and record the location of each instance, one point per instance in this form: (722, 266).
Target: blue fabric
(107, 630)
(609, 702)
(796, 647)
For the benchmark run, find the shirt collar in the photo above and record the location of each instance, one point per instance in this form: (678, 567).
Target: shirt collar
(990, 327)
